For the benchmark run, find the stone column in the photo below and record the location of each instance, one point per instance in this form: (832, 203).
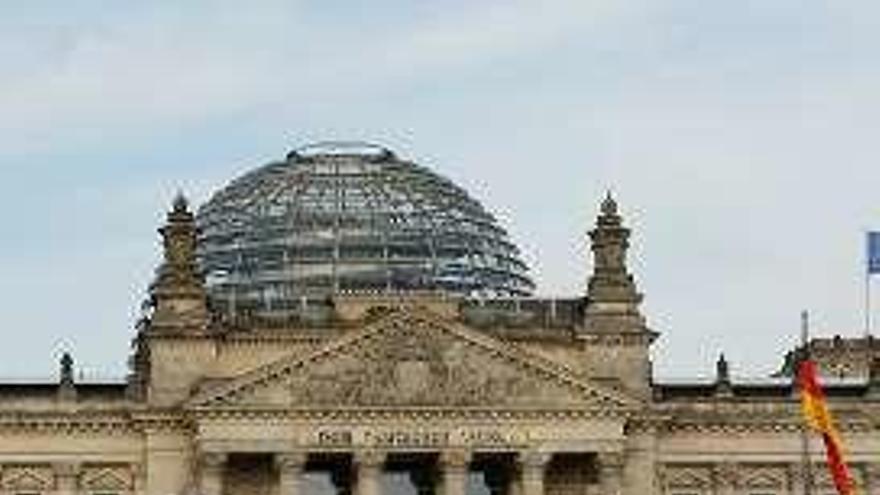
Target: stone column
(454, 470)
(290, 467)
(611, 472)
(368, 467)
(66, 478)
(532, 465)
(211, 473)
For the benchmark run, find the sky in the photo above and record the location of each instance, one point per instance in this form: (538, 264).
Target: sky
(740, 139)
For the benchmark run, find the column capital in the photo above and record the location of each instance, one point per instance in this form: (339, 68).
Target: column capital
(532, 465)
(611, 460)
(285, 461)
(212, 460)
(369, 458)
(458, 458)
(211, 465)
(533, 458)
(368, 465)
(611, 471)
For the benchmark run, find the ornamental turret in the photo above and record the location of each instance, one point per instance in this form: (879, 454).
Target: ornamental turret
(178, 294)
(610, 281)
(612, 319)
(612, 298)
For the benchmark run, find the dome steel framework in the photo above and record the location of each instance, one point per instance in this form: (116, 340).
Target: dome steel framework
(350, 217)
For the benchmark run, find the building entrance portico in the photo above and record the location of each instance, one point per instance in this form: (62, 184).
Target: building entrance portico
(403, 473)
(428, 408)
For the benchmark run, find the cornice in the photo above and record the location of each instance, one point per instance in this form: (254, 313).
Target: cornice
(640, 338)
(69, 423)
(410, 414)
(113, 422)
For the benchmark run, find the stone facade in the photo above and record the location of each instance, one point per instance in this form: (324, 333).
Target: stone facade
(416, 393)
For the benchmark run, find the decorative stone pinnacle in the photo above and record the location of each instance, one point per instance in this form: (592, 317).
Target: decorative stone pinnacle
(66, 378)
(66, 385)
(612, 302)
(609, 205)
(609, 241)
(179, 291)
(722, 369)
(722, 377)
(181, 205)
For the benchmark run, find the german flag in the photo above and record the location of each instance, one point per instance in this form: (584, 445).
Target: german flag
(816, 414)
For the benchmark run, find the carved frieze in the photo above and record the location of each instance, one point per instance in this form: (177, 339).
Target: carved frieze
(409, 367)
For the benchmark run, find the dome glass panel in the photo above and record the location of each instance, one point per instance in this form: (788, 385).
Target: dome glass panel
(350, 217)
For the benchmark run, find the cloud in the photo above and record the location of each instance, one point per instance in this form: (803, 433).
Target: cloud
(153, 71)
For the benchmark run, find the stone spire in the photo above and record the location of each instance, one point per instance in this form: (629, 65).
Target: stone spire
(178, 294)
(612, 298)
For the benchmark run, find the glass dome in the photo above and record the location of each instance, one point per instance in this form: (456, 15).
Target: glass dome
(350, 217)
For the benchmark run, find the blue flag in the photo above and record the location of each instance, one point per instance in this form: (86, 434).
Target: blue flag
(873, 252)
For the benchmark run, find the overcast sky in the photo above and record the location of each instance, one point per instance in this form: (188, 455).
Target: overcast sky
(741, 139)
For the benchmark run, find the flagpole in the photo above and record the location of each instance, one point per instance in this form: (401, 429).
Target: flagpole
(806, 465)
(867, 303)
(867, 268)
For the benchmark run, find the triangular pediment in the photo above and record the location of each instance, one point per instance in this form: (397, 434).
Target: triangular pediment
(413, 358)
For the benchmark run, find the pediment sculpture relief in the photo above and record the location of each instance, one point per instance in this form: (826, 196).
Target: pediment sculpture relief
(411, 361)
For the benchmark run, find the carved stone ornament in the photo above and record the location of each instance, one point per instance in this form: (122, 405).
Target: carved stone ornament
(694, 477)
(28, 478)
(414, 360)
(727, 474)
(771, 478)
(113, 478)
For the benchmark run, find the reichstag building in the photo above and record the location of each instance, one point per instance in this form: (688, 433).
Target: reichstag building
(346, 321)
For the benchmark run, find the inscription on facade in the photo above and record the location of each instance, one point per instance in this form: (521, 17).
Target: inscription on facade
(416, 438)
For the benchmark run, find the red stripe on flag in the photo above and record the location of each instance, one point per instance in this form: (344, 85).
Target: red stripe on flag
(839, 471)
(807, 377)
